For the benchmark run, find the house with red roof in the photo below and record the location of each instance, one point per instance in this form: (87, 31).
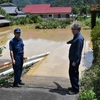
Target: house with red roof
(47, 12)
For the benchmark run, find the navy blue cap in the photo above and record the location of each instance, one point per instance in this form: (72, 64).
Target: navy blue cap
(17, 30)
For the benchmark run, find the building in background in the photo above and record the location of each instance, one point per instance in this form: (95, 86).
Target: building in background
(47, 12)
(4, 21)
(12, 10)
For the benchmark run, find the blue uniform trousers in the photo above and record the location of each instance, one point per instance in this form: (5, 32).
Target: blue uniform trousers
(17, 67)
(74, 76)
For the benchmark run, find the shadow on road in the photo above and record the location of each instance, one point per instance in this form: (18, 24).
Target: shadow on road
(59, 89)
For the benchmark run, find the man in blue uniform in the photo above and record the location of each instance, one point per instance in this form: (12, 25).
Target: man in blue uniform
(16, 48)
(75, 57)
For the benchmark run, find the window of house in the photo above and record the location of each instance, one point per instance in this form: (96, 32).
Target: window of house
(63, 15)
(41, 16)
(67, 15)
(45, 16)
(59, 15)
(55, 15)
(50, 15)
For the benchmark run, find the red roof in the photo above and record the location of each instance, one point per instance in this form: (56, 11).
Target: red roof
(45, 8)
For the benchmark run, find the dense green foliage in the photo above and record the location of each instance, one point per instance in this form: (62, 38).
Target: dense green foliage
(3, 1)
(88, 21)
(78, 3)
(96, 42)
(88, 95)
(91, 78)
(32, 1)
(78, 6)
(29, 19)
(50, 24)
(23, 3)
(1, 49)
(4, 80)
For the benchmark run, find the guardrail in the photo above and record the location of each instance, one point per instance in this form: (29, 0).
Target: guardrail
(7, 68)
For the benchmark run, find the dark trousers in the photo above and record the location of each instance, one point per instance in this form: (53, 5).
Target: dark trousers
(74, 76)
(17, 67)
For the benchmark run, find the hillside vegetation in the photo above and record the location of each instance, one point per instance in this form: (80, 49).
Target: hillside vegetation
(78, 6)
(77, 3)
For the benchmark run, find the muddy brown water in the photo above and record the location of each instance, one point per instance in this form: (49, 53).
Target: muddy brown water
(40, 41)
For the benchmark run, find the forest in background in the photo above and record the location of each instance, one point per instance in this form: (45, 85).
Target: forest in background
(55, 2)
(78, 6)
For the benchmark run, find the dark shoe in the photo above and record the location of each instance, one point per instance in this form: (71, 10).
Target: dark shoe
(16, 85)
(21, 83)
(70, 88)
(72, 92)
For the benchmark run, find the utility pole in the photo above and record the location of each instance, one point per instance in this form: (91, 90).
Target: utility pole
(93, 15)
(99, 8)
(98, 1)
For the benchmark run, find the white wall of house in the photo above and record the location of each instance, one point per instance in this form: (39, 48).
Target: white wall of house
(55, 16)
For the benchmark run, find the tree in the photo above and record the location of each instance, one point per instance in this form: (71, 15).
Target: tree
(83, 10)
(75, 10)
(3, 1)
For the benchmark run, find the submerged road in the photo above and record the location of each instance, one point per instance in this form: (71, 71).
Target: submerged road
(47, 79)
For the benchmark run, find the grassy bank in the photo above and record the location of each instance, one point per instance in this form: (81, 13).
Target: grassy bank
(90, 88)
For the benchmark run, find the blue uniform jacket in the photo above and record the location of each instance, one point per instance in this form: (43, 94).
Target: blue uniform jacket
(17, 46)
(76, 48)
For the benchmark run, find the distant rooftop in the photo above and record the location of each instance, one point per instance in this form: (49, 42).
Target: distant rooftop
(4, 21)
(1, 15)
(45, 8)
(10, 10)
(7, 4)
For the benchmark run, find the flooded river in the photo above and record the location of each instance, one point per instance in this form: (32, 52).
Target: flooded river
(41, 41)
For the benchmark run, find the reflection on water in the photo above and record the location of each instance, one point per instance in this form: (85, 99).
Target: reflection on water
(40, 41)
(88, 58)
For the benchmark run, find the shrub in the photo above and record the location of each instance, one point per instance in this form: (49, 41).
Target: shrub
(95, 37)
(87, 95)
(80, 18)
(52, 24)
(91, 78)
(88, 22)
(1, 49)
